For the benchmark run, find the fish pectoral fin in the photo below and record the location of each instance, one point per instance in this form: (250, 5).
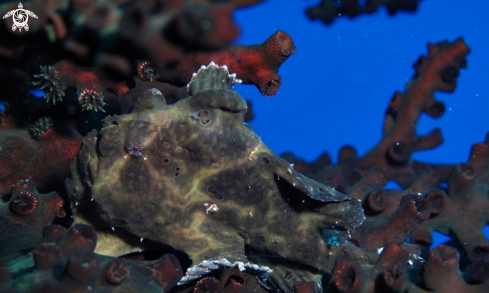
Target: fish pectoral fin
(306, 195)
(345, 215)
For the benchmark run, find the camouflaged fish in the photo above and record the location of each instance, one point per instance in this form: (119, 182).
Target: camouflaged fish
(194, 176)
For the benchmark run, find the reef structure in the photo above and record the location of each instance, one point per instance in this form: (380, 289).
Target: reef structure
(175, 172)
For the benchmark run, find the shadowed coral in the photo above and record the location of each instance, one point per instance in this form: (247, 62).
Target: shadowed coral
(394, 270)
(116, 272)
(389, 274)
(442, 211)
(89, 83)
(465, 196)
(65, 261)
(83, 78)
(413, 210)
(207, 284)
(45, 161)
(137, 29)
(23, 217)
(207, 175)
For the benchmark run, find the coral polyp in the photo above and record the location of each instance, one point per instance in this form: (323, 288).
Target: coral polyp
(24, 203)
(42, 127)
(49, 82)
(116, 271)
(146, 71)
(91, 100)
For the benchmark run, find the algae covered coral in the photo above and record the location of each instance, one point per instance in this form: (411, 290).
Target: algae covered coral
(151, 180)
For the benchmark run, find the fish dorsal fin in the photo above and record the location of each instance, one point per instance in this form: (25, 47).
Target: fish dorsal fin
(211, 77)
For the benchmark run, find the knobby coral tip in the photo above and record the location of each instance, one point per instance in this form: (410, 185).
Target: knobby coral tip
(116, 272)
(59, 210)
(146, 71)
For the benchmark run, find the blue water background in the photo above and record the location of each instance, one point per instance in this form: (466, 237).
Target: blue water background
(335, 89)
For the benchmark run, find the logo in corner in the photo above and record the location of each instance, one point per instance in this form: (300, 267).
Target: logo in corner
(20, 17)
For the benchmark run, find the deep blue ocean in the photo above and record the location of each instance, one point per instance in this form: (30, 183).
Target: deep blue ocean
(336, 87)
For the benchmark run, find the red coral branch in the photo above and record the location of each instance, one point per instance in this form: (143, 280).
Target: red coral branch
(256, 64)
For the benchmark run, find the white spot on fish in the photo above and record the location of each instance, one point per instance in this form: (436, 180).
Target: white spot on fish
(212, 208)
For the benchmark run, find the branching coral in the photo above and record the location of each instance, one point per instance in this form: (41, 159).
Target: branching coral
(465, 196)
(395, 215)
(392, 155)
(392, 274)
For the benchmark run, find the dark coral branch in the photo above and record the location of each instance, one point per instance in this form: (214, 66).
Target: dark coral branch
(328, 10)
(463, 197)
(23, 218)
(43, 160)
(392, 155)
(68, 263)
(412, 211)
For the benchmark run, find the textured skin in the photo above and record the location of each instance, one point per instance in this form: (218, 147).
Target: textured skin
(194, 176)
